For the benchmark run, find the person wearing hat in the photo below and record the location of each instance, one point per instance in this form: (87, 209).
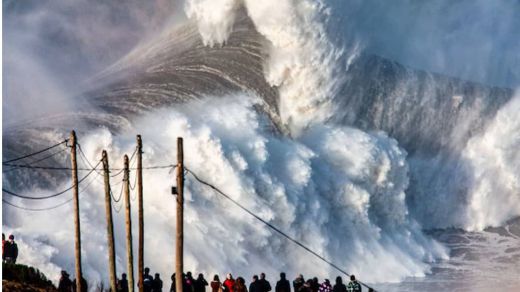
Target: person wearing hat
(10, 250)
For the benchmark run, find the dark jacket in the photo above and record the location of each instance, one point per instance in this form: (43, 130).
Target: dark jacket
(298, 284)
(11, 250)
(157, 285)
(339, 288)
(122, 285)
(283, 286)
(264, 285)
(254, 286)
(65, 284)
(199, 285)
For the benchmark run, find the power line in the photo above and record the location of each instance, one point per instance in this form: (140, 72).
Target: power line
(53, 195)
(273, 227)
(36, 209)
(88, 169)
(46, 208)
(120, 193)
(36, 161)
(35, 153)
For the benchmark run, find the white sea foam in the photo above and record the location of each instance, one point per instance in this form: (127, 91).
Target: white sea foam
(339, 190)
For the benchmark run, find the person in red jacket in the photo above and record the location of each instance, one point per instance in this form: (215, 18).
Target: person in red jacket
(229, 283)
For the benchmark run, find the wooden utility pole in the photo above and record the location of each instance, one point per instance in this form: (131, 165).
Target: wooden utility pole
(140, 254)
(77, 244)
(179, 256)
(129, 252)
(110, 226)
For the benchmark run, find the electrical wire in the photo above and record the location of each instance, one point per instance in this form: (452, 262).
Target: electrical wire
(35, 153)
(53, 195)
(273, 227)
(36, 161)
(46, 208)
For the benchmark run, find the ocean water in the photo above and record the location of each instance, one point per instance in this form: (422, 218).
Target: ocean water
(404, 177)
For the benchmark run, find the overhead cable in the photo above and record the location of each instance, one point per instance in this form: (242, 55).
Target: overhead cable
(35, 153)
(273, 227)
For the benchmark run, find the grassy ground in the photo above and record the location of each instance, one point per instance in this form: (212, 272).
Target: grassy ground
(23, 278)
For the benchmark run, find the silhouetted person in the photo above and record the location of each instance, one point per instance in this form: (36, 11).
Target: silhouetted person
(65, 284)
(298, 283)
(307, 286)
(240, 285)
(147, 280)
(11, 250)
(216, 286)
(315, 286)
(353, 285)
(254, 286)
(283, 284)
(84, 285)
(263, 284)
(122, 284)
(199, 285)
(229, 283)
(339, 286)
(188, 283)
(157, 283)
(326, 286)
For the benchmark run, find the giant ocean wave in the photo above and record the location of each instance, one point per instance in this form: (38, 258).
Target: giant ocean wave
(353, 154)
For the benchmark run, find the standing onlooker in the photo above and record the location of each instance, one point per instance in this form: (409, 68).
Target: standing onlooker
(315, 286)
(122, 285)
(283, 285)
(298, 283)
(240, 285)
(216, 286)
(264, 285)
(326, 286)
(353, 285)
(200, 284)
(188, 283)
(229, 283)
(147, 280)
(11, 250)
(65, 284)
(339, 286)
(157, 283)
(254, 286)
